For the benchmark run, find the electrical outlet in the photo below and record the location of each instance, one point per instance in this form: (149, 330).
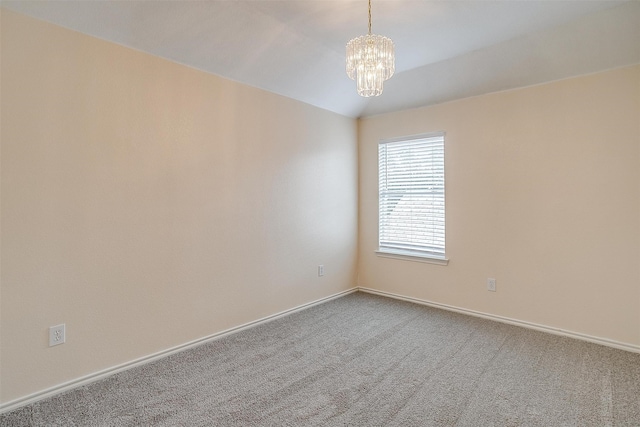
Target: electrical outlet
(320, 270)
(491, 285)
(56, 335)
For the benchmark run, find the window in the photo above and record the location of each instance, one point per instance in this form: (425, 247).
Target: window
(411, 197)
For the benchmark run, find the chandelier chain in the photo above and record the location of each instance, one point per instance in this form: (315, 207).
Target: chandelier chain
(369, 17)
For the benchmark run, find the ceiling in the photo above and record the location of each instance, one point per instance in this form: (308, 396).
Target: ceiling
(445, 50)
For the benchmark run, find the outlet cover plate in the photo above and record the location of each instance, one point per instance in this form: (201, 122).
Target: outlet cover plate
(491, 285)
(56, 335)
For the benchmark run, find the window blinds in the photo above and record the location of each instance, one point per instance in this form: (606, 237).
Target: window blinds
(411, 196)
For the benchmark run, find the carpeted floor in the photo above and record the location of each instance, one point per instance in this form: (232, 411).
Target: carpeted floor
(364, 360)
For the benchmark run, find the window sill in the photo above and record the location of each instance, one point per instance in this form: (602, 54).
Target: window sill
(408, 256)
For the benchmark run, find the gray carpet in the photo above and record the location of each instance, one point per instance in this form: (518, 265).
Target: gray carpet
(364, 360)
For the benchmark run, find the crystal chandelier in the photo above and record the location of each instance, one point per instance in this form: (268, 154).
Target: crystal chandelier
(370, 61)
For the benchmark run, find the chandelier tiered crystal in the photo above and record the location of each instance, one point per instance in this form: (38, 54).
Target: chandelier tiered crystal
(370, 61)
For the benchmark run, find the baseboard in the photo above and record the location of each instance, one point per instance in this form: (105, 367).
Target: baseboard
(556, 331)
(87, 379)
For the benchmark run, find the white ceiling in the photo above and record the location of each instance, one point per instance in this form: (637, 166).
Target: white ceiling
(445, 50)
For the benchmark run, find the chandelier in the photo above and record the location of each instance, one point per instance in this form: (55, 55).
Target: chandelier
(370, 61)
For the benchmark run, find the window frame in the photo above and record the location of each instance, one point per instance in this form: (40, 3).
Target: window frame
(408, 254)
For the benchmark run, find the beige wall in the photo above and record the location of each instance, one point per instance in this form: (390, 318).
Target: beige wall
(543, 194)
(146, 204)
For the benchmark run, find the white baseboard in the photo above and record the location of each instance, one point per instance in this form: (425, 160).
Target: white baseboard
(556, 331)
(87, 379)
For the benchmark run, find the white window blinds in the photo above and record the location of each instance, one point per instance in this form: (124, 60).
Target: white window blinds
(411, 196)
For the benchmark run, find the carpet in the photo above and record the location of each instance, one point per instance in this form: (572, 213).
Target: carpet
(364, 360)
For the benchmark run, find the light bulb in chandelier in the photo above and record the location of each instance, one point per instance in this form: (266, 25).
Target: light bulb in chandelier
(370, 61)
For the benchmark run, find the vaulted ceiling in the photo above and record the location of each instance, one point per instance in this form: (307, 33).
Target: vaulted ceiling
(445, 50)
